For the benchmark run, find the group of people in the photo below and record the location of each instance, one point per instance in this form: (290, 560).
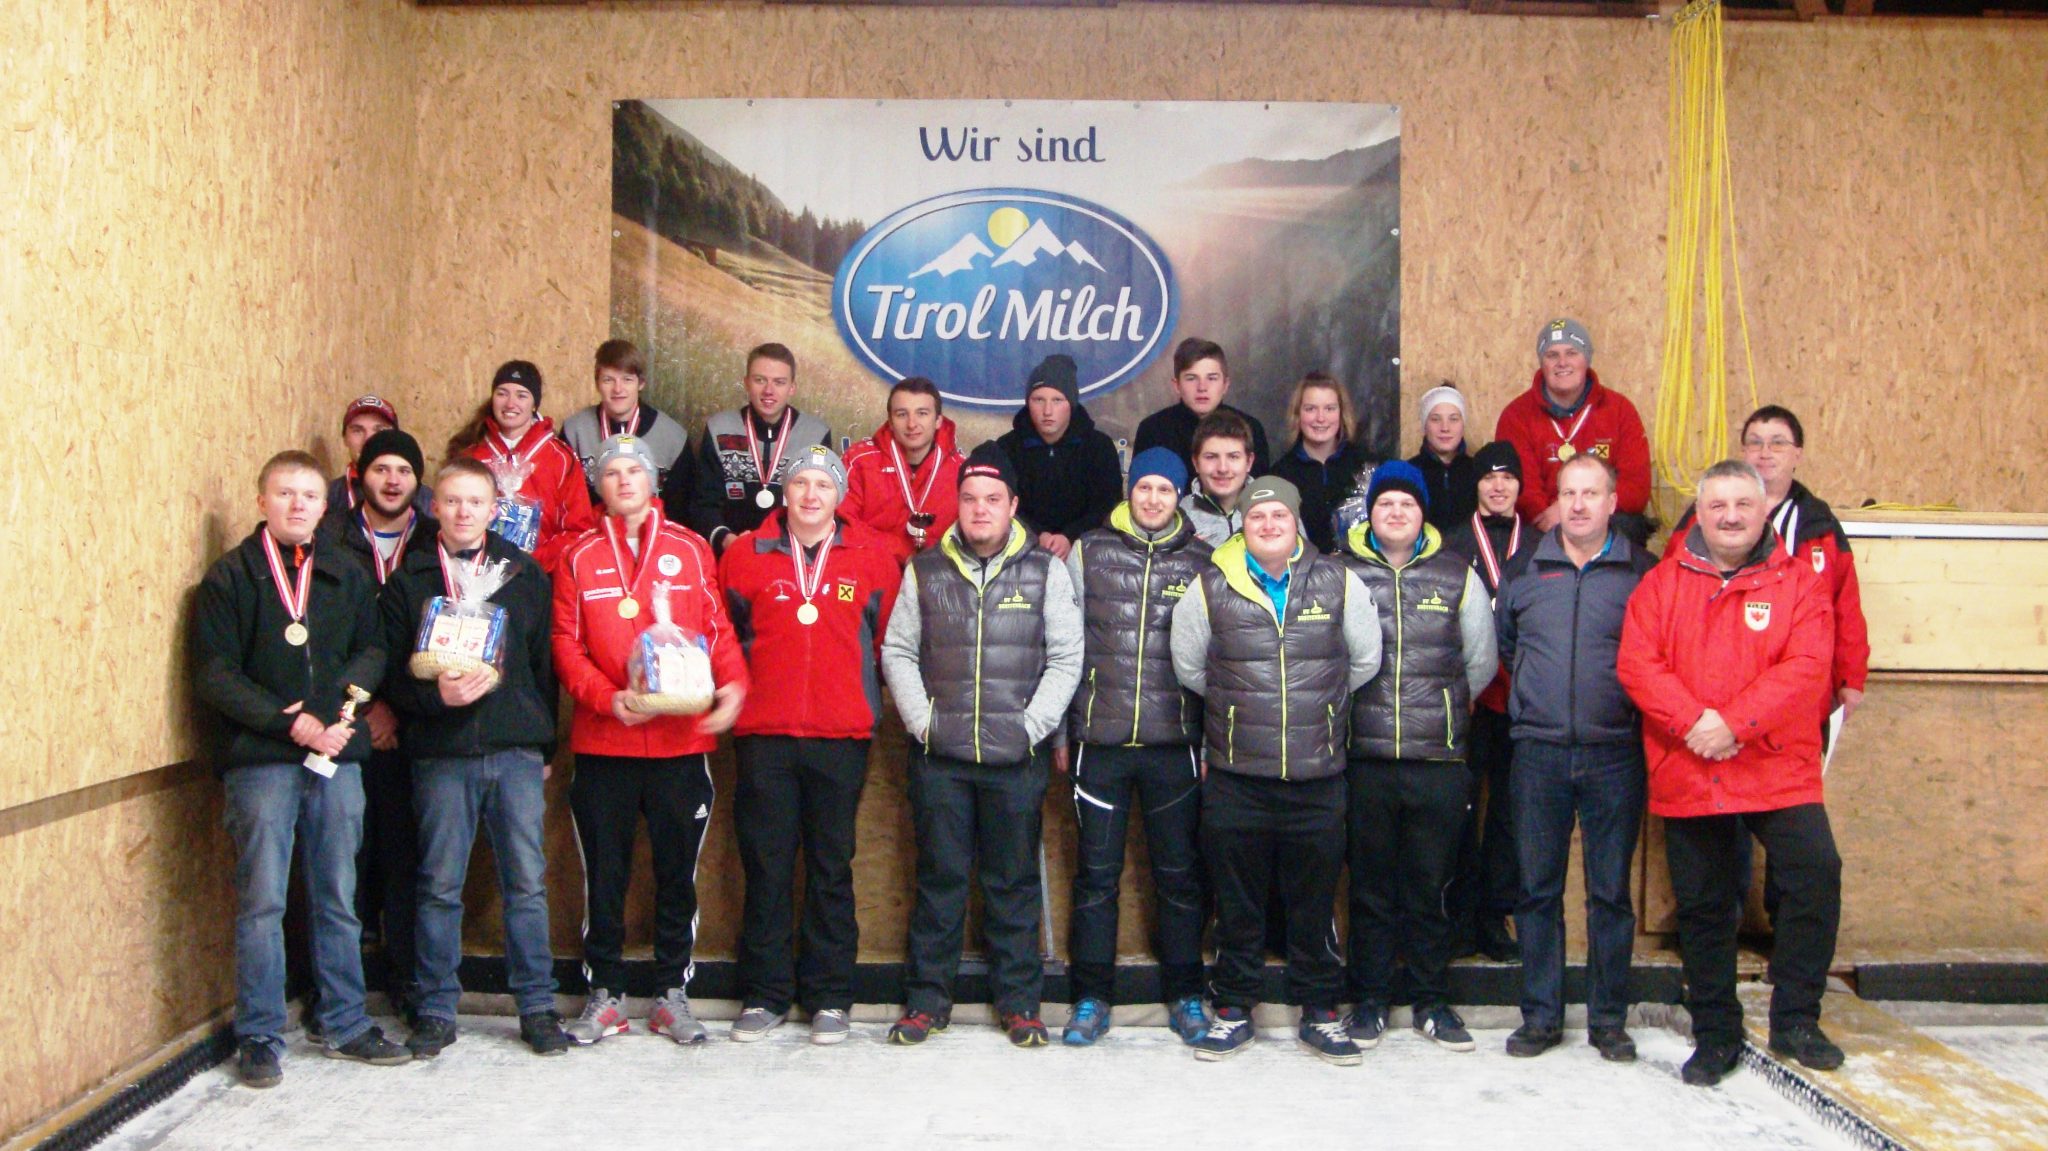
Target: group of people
(1286, 667)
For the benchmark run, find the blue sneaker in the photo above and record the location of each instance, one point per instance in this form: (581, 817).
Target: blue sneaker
(1188, 1018)
(1229, 1034)
(1089, 1020)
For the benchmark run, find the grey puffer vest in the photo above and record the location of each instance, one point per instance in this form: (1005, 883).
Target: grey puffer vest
(1277, 695)
(1129, 694)
(1419, 706)
(981, 649)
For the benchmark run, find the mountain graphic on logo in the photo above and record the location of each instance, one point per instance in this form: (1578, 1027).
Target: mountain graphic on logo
(1038, 240)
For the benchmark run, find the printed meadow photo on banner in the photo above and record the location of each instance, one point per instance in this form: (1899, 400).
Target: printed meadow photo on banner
(966, 240)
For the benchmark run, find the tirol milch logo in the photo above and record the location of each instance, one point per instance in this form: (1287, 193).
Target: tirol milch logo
(973, 289)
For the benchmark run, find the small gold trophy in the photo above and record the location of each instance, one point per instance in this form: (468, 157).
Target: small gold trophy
(321, 765)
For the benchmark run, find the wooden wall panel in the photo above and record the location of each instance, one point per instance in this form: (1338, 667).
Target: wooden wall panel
(209, 205)
(120, 922)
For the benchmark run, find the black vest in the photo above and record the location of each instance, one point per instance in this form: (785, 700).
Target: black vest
(1129, 694)
(1419, 705)
(981, 650)
(1276, 695)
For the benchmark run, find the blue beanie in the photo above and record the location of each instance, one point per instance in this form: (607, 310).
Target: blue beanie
(1163, 462)
(1397, 476)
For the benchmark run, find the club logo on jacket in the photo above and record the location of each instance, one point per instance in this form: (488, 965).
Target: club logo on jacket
(1757, 614)
(1014, 601)
(669, 565)
(1603, 449)
(1434, 603)
(1174, 590)
(1820, 559)
(846, 593)
(1315, 612)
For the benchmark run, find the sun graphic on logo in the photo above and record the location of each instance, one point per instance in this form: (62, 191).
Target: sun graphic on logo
(1006, 224)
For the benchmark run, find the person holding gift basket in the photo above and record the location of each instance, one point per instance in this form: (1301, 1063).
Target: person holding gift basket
(644, 647)
(543, 504)
(476, 707)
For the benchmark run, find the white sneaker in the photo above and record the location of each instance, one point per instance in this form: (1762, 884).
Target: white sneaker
(603, 1014)
(672, 1017)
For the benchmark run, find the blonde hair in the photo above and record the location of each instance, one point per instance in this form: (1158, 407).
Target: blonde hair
(1347, 419)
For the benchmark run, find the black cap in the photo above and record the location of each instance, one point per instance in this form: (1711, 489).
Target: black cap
(1057, 372)
(1499, 456)
(992, 461)
(391, 442)
(521, 372)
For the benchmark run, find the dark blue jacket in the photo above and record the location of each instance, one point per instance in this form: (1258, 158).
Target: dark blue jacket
(1559, 628)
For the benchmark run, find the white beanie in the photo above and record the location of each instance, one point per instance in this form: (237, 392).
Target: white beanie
(1442, 394)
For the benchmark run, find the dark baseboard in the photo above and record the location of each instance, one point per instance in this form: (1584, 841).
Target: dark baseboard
(1961, 982)
(158, 1084)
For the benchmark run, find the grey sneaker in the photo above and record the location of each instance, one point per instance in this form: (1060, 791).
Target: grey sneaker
(672, 1017)
(829, 1026)
(753, 1023)
(603, 1014)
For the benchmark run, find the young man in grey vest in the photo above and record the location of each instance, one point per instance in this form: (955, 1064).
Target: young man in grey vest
(1275, 636)
(1135, 728)
(621, 372)
(1410, 789)
(1578, 755)
(982, 654)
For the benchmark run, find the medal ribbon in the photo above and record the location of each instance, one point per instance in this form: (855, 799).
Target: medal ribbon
(625, 429)
(1486, 556)
(377, 563)
(620, 555)
(448, 572)
(296, 598)
(808, 582)
(767, 471)
(1568, 436)
(494, 443)
(914, 503)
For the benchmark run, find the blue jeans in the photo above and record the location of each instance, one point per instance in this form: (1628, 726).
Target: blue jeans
(1603, 787)
(503, 791)
(270, 808)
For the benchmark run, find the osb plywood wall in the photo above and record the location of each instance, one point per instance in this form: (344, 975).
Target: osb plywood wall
(203, 255)
(208, 202)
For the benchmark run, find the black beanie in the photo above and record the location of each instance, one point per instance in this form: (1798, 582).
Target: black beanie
(521, 372)
(1499, 456)
(1058, 373)
(991, 460)
(391, 442)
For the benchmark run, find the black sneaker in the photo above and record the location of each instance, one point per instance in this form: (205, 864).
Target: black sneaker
(543, 1032)
(1443, 1025)
(1495, 943)
(1613, 1044)
(1323, 1032)
(1366, 1023)
(429, 1036)
(371, 1047)
(917, 1026)
(256, 1062)
(1807, 1043)
(1529, 1040)
(1025, 1029)
(1711, 1062)
(1229, 1033)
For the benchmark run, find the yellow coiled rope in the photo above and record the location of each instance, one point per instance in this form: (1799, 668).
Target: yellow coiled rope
(1691, 427)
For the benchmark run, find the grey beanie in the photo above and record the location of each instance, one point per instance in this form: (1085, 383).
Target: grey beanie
(820, 458)
(1565, 332)
(626, 447)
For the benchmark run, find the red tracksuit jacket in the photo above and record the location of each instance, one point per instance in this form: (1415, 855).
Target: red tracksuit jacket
(827, 676)
(592, 641)
(557, 482)
(874, 487)
(1756, 649)
(1612, 431)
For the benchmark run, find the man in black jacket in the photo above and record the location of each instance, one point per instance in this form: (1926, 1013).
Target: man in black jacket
(1201, 378)
(1068, 474)
(479, 745)
(1578, 755)
(281, 632)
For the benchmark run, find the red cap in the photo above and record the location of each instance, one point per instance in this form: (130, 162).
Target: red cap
(374, 404)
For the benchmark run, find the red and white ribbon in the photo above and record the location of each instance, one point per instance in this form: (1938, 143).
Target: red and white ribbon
(294, 597)
(767, 471)
(1486, 557)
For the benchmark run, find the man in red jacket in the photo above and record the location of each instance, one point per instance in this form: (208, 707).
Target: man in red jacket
(1566, 411)
(903, 480)
(630, 764)
(809, 594)
(1724, 650)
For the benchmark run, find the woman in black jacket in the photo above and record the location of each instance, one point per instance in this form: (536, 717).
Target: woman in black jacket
(1326, 459)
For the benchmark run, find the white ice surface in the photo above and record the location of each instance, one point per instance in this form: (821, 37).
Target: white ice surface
(1138, 1088)
(2017, 1053)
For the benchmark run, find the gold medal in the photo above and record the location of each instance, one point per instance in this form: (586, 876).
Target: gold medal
(1565, 452)
(629, 608)
(296, 634)
(807, 614)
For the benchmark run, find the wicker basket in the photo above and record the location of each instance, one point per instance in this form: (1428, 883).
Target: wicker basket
(435, 664)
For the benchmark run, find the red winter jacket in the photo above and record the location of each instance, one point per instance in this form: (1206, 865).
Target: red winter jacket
(874, 488)
(1756, 649)
(592, 641)
(1612, 431)
(828, 674)
(557, 482)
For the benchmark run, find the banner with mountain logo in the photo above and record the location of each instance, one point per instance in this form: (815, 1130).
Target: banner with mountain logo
(967, 240)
